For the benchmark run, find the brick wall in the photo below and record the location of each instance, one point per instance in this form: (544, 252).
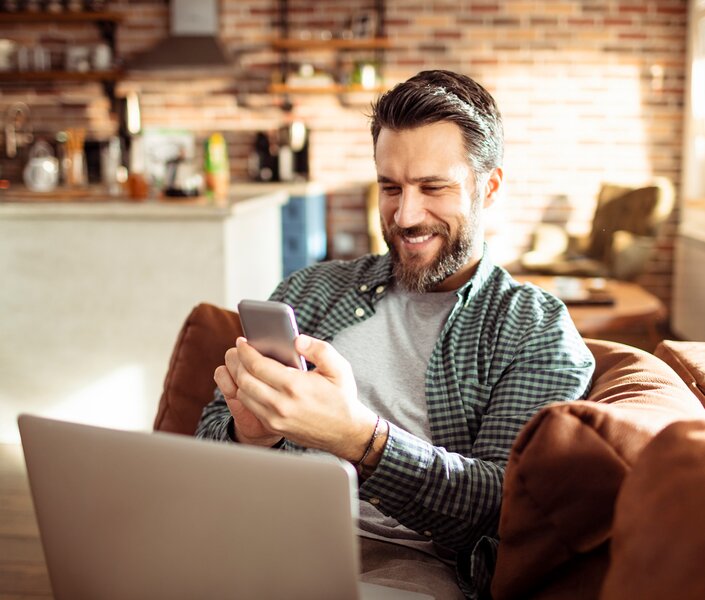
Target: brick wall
(590, 90)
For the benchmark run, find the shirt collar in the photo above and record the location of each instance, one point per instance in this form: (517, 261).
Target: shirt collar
(484, 269)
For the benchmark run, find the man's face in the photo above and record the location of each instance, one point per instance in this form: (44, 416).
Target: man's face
(430, 206)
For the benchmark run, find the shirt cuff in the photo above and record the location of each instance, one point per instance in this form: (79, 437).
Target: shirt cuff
(401, 473)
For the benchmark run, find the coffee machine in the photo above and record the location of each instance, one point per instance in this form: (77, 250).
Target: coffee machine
(281, 155)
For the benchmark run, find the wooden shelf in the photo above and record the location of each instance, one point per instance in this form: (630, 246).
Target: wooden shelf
(24, 76)
(282, 88)
(332, 45)
(61, 17)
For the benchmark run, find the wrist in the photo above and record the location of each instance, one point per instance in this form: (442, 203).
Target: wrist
(274, 441)
(372, 455)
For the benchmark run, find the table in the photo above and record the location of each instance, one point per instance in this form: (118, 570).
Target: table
(633, 306)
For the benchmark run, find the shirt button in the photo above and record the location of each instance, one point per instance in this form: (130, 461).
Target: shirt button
(428, 533)
(375, 501)
(379, 289)
(359, 312)
(364, 288)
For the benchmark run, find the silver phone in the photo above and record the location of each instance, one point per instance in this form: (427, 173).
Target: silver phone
(270, 327)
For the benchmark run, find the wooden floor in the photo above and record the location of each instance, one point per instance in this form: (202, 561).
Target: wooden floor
(23, 572)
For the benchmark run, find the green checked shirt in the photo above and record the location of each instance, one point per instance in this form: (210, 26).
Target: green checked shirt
(505, 351)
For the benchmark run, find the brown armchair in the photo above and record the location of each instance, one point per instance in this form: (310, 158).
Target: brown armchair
(200, 348)
(621, 241)
(595, 491)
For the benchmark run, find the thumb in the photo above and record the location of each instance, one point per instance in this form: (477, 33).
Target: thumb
(328, 361)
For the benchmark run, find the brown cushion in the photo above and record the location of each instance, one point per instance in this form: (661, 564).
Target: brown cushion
(200, 348)
(566, 468)
(659, 525)
(688, 360)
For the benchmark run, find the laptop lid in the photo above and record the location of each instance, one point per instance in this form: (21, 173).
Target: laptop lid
(127, 514)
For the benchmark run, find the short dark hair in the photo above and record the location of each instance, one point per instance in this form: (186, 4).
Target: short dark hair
(438, 96)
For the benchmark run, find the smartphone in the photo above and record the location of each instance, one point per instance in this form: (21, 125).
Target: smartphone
(270, 327)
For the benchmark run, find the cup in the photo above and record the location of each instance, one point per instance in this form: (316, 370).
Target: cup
(7, 54)
(78, 58)
(102, 57)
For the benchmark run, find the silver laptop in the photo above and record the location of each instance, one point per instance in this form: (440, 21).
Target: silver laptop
(130, 515)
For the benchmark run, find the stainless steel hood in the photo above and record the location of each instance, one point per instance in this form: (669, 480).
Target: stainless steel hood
(192, 41)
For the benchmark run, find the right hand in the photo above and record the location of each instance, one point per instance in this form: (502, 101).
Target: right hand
(248, 428)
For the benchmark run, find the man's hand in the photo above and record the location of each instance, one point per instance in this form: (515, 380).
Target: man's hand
(317, 409)
(248, 429)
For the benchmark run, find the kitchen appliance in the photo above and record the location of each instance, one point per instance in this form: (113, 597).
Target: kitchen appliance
(41, 174)
(293, 151)
(192, 41)
(182, 177)
(262, 162)
(280, 155)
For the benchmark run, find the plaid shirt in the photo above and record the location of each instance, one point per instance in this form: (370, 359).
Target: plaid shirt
(505, 351)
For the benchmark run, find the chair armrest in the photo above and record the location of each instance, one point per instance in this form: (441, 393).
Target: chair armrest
(688, 360)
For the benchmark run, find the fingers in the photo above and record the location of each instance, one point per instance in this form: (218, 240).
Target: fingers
(328, 361)
(225, 382)
(260, 367)
(225, 375)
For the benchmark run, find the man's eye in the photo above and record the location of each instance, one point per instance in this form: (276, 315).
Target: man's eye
(431, 189)
(390, 189)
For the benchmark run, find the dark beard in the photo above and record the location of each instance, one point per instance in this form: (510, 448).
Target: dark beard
(453, 255)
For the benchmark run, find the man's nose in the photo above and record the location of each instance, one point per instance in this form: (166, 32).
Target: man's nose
(411, 210)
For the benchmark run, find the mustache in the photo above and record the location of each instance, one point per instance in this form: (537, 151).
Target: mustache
(419, 230)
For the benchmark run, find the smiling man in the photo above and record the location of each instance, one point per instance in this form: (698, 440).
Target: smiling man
(428, 360)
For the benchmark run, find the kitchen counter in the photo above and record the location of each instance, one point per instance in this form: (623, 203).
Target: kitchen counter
(94, 294)
(84, 203)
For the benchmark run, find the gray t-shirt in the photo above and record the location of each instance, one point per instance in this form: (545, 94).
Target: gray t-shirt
(389, 354)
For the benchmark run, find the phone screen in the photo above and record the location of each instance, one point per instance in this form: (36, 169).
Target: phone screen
(270, 327)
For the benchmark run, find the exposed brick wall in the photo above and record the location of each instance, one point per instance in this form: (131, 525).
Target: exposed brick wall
(590, 90)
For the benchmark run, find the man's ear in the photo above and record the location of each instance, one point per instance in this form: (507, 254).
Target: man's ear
(493, 185)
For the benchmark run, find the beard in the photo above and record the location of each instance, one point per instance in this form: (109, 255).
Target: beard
(411, 273)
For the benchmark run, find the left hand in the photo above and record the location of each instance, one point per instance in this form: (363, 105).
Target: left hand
(317, 409)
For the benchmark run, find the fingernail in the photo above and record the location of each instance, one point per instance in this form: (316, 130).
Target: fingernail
(304, 342)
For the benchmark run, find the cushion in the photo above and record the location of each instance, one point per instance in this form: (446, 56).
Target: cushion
(200, 348)
(566, 468)
(688, 360)
(659, 525)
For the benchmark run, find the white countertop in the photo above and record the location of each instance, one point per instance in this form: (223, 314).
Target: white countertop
(241, 200)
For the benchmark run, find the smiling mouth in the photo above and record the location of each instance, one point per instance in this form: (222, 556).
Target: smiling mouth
(419, 239)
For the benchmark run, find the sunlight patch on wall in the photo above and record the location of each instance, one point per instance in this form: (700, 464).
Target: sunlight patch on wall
(115, 401)
(569, 128)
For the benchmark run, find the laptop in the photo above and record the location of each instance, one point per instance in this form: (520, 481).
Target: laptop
(131, 515)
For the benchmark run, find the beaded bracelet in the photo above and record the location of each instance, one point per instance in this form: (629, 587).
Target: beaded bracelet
(375, 435)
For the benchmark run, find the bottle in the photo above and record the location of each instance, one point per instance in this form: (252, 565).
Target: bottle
(217, 168)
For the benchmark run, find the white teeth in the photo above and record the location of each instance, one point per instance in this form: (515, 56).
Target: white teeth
(418, 240)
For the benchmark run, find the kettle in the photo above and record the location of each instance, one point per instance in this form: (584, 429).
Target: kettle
(41, 174)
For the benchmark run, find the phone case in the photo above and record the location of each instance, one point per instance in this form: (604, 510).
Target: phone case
(270, 327)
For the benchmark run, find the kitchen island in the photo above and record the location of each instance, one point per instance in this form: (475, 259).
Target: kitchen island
(93, 295)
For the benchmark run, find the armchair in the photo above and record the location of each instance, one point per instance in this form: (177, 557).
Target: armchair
(595, 491)
(621, 240)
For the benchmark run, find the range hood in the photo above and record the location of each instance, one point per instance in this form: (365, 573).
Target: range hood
(192, 41)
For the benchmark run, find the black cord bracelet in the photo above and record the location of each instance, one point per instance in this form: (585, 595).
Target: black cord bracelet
(375, 434)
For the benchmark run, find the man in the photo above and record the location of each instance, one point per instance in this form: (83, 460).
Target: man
(428, 360)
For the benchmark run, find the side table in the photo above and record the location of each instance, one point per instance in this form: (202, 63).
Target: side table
(633, 306)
